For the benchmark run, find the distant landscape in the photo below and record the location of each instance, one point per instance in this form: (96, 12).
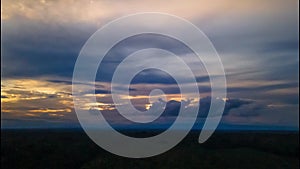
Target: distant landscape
(72, 148)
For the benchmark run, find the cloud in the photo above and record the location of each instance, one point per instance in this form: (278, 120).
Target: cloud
(157, 76)
(172, 107)
(261, 88)
(67, 82)
(29, 49)
(36, 99)
(248, 110)
(257, 42)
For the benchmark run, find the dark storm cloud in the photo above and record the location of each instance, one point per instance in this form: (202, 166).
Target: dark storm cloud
(281, 46)
(249, 110)
(28, 46)
(97, 91)
(281, 69)
(33, 54)
(164, 88)
(267, 45)
(157, 77)
(68, 82)
(34, 49)
(283, 98)
(202, 78)
(263, 87)
(250, 42)
(124, 88)
(100, 91)
(135, 43)
(31, 48)
(173, 107)
(229, 105)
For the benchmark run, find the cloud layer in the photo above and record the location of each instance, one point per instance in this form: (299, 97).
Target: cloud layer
(256, 40)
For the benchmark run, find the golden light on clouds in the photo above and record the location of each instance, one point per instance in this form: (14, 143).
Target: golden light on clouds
(148, 106)
(50, 110)
(32, 86)
(35, 98)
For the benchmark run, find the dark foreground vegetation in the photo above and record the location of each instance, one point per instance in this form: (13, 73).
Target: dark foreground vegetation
(72, 149)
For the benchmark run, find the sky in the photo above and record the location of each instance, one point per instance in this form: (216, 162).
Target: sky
(256, 40)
